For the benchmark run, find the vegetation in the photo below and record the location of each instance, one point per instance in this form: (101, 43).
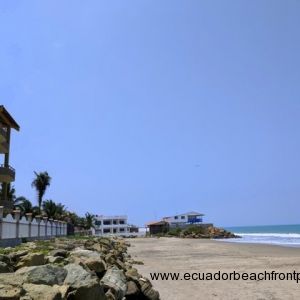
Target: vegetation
(47, 208)
(11, 192)
(40, 183)
(89, 221)
(25, 206)
(53, 210)
(179, 232)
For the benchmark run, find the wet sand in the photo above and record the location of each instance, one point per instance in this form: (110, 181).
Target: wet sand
(197, 256)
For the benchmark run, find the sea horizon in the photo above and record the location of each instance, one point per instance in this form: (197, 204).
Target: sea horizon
(283, 235)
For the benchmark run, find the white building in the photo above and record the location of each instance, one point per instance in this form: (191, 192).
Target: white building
(188, 218)
(116, 225)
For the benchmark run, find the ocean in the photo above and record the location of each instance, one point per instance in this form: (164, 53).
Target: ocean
(284, 235)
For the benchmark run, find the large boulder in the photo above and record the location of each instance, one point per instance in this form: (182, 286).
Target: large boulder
(97, 265)
(59, 252)
(132, 290)
(41, 291)
(147, 290)
(5, 268)
(31, 259)
(83, 285)
(5, 258)
(115, 280)
(46, 274)
(11, 286)
(83, 253)
(132, 274)
(55, 259)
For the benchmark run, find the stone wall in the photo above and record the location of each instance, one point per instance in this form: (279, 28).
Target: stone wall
(15, 227)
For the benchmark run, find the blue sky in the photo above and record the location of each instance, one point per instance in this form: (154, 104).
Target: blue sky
(152, 108)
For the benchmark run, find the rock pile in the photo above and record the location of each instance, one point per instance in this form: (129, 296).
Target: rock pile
(79, 269)
(197, 232)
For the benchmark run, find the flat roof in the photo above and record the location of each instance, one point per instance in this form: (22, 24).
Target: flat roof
(7, 119)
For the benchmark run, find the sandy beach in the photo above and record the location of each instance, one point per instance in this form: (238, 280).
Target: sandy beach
(198, 256)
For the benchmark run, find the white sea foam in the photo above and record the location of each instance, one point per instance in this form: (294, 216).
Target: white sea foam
(280, 235)
(285, 239)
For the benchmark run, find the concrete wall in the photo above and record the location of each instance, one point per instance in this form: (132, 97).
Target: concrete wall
(14, 227)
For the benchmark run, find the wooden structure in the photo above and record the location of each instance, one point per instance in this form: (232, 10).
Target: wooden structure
(7, 173)
(158, 227)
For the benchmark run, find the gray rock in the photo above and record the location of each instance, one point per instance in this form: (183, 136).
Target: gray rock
(59, 252)
(85, 253)
(82, 284)
(132, 274)
(6, 259)
(55, 259)
(96, 265)
(132, 289)
(16, 256)
(32, 259)
(46, 274)
(76, 275)
(4, 268)
(41, 291)
(115, 280)
(11, 286)
(147, 290)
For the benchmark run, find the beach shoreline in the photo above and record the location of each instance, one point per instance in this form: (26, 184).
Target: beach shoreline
(175, 255)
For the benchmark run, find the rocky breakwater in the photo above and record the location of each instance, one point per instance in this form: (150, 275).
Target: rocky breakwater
(200, 232)
(79, 269)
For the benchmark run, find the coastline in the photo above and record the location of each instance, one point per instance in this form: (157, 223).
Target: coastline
(196, 255)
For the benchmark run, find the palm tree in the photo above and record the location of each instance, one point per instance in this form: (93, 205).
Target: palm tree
(49, 208)
(60, 211)
(73, 218)
(53, 210)
(40, 183)
(25, 206)
(89, 221)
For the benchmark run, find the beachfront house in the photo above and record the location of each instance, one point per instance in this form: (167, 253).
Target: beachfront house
(185, 219)
(156, 227)
(107, 225)
(7, 173)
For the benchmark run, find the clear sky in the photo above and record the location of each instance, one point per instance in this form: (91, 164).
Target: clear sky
(152, 108)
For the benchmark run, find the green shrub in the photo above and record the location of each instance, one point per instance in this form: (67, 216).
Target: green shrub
(194, 229)
(174, 232)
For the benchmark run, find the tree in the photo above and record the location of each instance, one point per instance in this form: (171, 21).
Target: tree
(40, 183)
(73, 218)
(49, 208)
(11, 192)
(89, 221)
(54, 210)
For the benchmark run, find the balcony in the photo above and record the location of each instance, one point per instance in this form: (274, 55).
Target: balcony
(4, 147)
(7, 174)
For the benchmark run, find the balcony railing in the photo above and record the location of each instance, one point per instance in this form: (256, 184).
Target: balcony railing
(7, 173)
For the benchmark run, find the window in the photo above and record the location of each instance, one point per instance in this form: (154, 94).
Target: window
(122, 229)
(176, 217)
(122, 222)
(182, 217)
(106, 230)
(115, 222)
(98, 223)
(106, 222)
